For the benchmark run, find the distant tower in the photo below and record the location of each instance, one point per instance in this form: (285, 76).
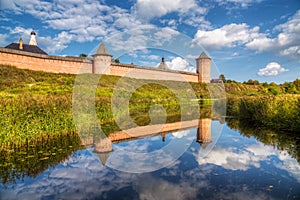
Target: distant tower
(163, 65)
(203, 68)
(204, 132)
(33, 39)
(102, 60)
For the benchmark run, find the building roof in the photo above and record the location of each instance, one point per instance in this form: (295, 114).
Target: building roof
(102, 50)
(26, 47)
(203, 55)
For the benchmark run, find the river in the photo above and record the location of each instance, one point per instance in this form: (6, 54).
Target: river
(212, 160)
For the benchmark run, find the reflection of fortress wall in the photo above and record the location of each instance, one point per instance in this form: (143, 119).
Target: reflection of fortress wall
(102, 146)
(144, 131)
(204, 131)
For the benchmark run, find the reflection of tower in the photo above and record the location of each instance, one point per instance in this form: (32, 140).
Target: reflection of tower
(102, 147)
(163, 136)
(203, 68)
(204, 132)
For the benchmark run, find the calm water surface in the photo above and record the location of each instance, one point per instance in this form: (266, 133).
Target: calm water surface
(233, 165)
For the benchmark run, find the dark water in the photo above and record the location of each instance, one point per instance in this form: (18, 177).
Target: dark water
(230, 164)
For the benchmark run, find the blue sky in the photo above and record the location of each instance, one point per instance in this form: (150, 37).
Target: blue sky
(247, 39)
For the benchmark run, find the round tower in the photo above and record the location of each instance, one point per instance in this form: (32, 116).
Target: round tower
(203, 68)
(102, 60)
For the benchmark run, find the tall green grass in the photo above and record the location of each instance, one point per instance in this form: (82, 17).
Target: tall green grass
(276, 112)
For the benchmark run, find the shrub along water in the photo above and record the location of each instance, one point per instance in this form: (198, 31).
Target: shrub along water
(280, 112)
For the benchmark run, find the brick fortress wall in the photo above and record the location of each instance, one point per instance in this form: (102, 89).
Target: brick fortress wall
(77, 65)
(133, 71)
(40, 62)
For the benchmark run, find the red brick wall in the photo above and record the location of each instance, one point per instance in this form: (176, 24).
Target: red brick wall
(145, 73)
(46, 63)
(75, 65)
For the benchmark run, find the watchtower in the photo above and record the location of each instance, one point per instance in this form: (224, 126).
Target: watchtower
(102, 60)
(203, 68)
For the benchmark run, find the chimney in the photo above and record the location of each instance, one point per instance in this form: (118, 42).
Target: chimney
(21, 44)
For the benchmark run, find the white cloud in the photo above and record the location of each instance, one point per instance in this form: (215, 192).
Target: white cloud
(227, 36)
(230, 159)
(180, 134)
(164, 35)
(286, 43)
(189, 12)
(180, 64)
(190, 56)
(250, 156)
(57, 43)
(20, 30)
(148, 9)
(261, 44)
(272, 69)
(78, 20)
(7, 5)
(238, 3)
(152, 57)
(154, 188)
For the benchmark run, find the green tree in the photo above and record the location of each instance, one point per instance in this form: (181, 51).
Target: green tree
(222, 77)
(256, 82)
(250, 82)
(83, 55)
(117, 60)
(297, 84)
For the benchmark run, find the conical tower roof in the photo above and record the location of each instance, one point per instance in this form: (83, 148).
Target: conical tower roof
(102, 50)
(203, 56)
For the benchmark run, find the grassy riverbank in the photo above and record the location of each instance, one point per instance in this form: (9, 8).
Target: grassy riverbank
(281, 112)
(35, 104)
